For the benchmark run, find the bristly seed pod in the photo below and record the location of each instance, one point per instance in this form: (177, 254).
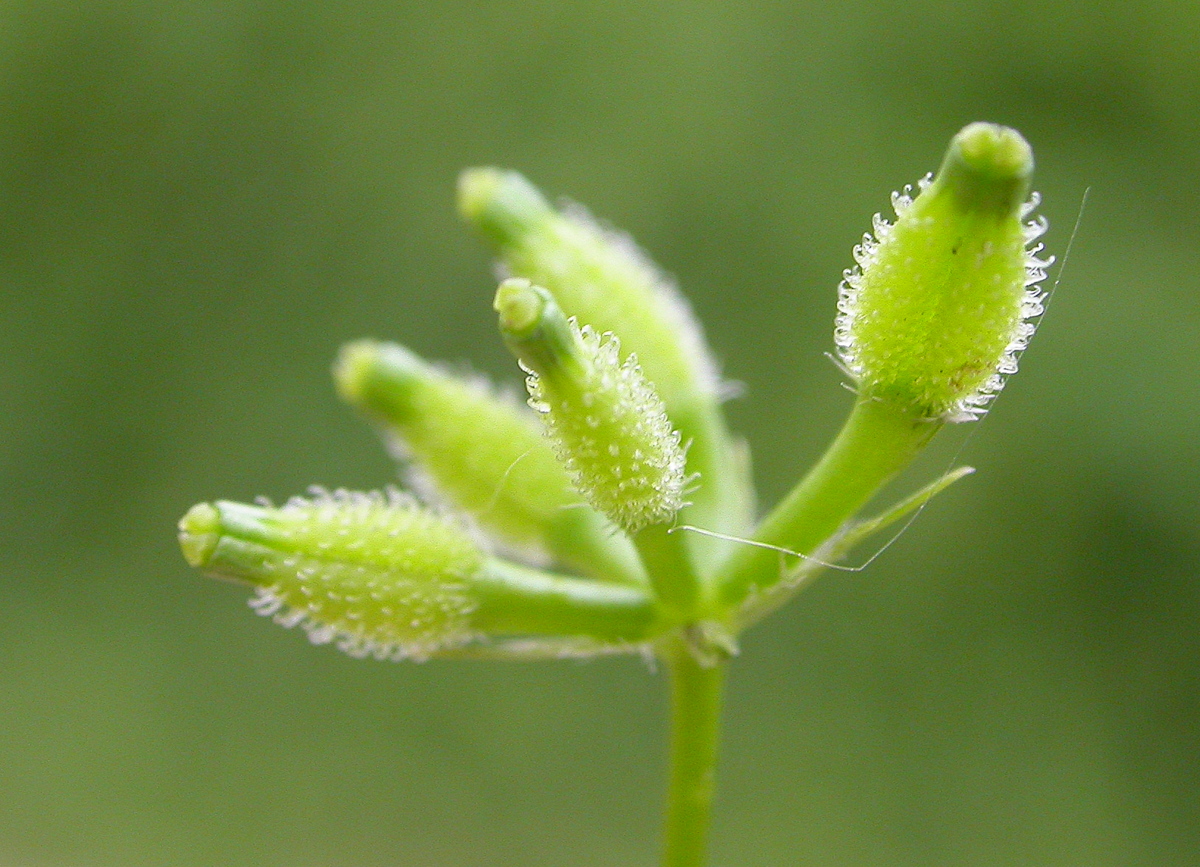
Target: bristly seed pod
(485, 455)
(596, 274)
(943, 301)
(600, 277)
(605, 420)
(377, 575)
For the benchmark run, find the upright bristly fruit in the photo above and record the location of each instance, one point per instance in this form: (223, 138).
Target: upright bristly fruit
(944, 300)
(602, 279)
(604, 419)
(929, 323)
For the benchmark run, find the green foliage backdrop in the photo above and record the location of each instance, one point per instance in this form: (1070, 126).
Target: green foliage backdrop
(199, 202)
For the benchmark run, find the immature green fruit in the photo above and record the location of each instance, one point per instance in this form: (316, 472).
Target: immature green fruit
(942, 302)
(600, 277)
(377, 575)
(604, 419)
(485, 455)
(481, 453)
(595, 274)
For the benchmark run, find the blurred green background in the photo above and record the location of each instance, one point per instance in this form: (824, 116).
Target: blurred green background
(199, 202)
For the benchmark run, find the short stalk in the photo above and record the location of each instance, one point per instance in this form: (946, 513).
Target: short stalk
(517, 600)
(696, 700)
(878, 440)
(668, 561)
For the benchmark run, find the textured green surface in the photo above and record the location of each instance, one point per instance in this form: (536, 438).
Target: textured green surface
(199, 203)
(606, 422)
(602, 279)
(379, 575)
(933, 318)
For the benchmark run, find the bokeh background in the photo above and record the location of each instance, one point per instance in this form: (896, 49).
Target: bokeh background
(199, 202)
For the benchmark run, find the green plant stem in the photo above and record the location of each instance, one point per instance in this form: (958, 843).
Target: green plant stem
(851, 534)
(514, 600)
(877, 441)
(668, 561)
(696, 700)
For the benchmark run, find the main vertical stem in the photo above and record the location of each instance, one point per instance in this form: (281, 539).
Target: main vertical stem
(696, 699)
